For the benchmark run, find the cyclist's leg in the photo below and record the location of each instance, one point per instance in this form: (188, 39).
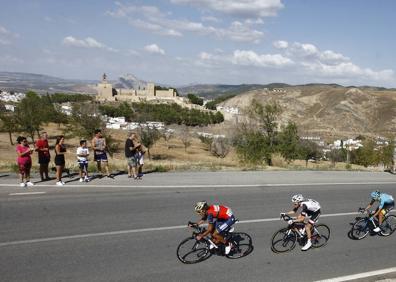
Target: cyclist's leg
(312, 219)
(381, 216)
(385, 211)
(221, 227)
(217, 237)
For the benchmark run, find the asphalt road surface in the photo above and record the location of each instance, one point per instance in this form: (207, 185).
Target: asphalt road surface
(128, 230)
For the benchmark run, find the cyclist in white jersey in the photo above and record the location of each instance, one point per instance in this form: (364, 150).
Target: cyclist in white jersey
(310, 212)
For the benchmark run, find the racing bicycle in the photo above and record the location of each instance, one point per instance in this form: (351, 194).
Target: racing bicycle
(190, 250)
(285, 239)
(366, 224)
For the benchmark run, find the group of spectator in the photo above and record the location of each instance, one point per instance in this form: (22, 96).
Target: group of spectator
(134, 152)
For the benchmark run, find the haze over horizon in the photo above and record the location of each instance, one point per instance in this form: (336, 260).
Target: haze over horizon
(182, 42)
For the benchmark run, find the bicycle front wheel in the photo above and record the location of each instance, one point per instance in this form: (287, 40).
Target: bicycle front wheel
(283, 240)
(241, 245)
(360, 229)
(192, 251)
(320, 235)
(388, 226)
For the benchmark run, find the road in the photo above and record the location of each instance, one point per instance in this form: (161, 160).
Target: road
(127, 230)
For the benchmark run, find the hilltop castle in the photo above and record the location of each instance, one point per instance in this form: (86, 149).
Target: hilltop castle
(106, 92)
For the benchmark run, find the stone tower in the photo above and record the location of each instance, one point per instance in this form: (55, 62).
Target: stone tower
(105, 90)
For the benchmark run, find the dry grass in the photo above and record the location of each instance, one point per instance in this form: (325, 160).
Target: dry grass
(170, 156)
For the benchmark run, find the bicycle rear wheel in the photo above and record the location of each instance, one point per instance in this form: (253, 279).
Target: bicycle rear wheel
(241, 245)
(360, 229)
(388, 226)
(192, 251)
(283, 240)
(320, 235)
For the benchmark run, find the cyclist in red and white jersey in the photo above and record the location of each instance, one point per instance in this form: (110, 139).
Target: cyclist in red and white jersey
(310, 212)
(220, 218)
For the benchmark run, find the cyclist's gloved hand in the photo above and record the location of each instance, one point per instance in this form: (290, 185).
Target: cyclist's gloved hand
(282, 214)
(290, 222)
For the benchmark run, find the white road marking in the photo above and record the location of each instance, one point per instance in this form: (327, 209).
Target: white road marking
(207, 185)
(131, 231)
(26, 193)
(360, 275)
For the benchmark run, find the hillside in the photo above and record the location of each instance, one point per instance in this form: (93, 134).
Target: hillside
(330, 110)
(212, 91)
(22, 82)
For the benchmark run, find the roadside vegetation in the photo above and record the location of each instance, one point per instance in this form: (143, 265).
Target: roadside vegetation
(257, 143)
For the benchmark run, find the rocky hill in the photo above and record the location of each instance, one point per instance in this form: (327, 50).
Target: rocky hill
(22, 82)
(330, 110)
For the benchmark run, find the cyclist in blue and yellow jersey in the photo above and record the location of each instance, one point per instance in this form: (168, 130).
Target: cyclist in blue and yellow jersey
(310, 212)
(386, 203)
(220, 219)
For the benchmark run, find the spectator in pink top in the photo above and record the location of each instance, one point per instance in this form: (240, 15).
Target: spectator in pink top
(24, 161)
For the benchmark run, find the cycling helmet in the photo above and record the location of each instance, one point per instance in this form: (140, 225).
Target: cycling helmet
(375, 194)
(297, 198)
(200, 206)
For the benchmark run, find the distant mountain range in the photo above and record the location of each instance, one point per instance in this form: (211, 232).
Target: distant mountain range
(22, 82)
(321, 109)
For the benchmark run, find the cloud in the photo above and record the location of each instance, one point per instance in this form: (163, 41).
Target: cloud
(6, 36)
(151, 18)
(281, 44)
(250, 58)
(239, 8)
(88, 42)
(329, 64)
(10, 60)
(247, 58)
(154, 49)
(210, 19)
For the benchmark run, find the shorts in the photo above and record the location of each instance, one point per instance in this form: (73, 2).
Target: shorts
(100, 157)
(24, 167)
(83, 166)
(387, 207)
(223, 226)
(133, 161)
(43, 160)
(60, 160)
(312, 216)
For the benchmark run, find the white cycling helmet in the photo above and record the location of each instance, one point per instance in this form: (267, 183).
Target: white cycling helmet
(297, 198)
(200, 206)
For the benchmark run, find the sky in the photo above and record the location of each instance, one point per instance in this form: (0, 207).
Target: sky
(181, 42)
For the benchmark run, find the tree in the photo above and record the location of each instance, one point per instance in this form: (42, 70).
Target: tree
(167, 135)
(206, 140)
(84, 120)
(31, 112)
(337, 155)
(365, 155)
(195, 99)
(289, 142)
(220, 147)
(385, 155)
(8, 124)
(265, 118)
(149, 136)
(308, 150)
(252, 146)
(185, 138)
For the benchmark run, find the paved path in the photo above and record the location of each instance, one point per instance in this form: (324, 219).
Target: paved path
(124, 230)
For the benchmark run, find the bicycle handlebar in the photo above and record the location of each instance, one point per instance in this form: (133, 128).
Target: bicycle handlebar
(286, 217)
(195, 226)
